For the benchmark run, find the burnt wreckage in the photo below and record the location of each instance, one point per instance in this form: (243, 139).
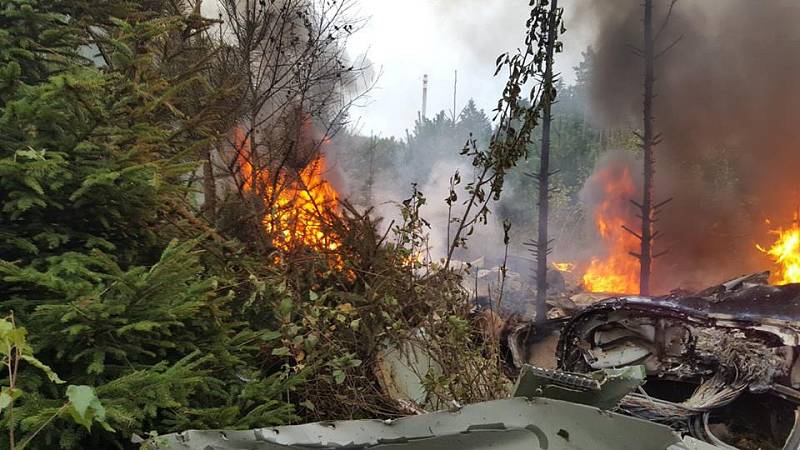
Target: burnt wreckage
(719, 369)
(721, 364)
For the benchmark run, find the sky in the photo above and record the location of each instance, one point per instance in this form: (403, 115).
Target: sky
(406, 39)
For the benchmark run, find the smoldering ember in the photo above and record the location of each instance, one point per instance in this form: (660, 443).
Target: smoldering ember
(544, 224)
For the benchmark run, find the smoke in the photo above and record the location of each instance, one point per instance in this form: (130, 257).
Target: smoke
(466, 22)
(482, 29)
(431, 170)
(726, 106)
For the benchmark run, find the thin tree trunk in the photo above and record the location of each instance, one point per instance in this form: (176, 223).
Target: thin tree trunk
(370, 181)
(542, 239)
(209, 182)
(648, 140)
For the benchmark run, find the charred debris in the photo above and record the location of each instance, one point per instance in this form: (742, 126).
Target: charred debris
(721, 364)
(712, 369)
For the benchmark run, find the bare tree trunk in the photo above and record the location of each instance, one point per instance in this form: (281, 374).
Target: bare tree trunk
(542, 246)
(648, 142)
(209, 182)
(369, 184)
(649, 139)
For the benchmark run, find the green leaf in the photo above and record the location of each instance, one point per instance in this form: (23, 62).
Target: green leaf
(7, 397)
(44, 368)
(281, 351)
(85, 407)
(5, 328)
(285, 308)
(270, 335)
(81, 398)
(34, 185)
(11, 338)
(144, 325)
(308, 405)
(5, 400)
(339, 376)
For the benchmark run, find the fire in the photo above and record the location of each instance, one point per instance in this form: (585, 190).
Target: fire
(564, 267)
(618, 272)
(297, 204)
(414, 259)
(785, 252)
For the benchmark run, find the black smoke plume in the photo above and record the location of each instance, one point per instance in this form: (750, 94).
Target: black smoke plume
(727, 107)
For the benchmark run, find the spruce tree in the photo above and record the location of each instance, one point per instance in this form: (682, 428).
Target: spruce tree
(97, 141)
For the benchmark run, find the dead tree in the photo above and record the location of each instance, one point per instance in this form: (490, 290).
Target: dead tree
(541, 246)
(649, 139)
(296, 85)
(193, 49)
(369, 183)
(209, 180)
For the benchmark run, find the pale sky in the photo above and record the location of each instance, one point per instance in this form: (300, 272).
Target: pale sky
(405, 39)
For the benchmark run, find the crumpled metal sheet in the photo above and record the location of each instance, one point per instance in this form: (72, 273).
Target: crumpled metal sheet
(400, 371)
(603, 388)
(512, 424)
(722, 345)
(679, 335)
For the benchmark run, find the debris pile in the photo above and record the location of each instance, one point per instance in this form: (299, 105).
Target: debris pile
(714, 369)
(550, 410)
(727, 355)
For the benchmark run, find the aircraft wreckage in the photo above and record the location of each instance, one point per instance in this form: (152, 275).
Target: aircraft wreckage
(714, 369)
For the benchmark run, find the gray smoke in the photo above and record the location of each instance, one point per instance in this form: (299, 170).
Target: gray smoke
(480, 25)
(726, 107)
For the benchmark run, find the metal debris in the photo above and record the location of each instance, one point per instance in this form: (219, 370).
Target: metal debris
(694, 364)
(400, 371)
(603, 389)
(512, 424)
(532, 343)
(728, 342)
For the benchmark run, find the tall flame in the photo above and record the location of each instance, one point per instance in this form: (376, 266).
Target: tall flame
(618, 272)
(297, 204)
(785, 252)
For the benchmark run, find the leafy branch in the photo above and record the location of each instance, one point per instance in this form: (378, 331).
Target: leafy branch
(82, 403)
(517, 112)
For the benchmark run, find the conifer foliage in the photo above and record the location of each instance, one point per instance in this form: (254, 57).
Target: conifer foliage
(95, 149)
(147, 317)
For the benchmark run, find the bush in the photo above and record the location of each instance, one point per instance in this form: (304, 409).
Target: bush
(92, 166)
(125, 290)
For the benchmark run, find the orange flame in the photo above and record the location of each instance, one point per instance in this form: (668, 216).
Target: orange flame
(297, 204)
(414, 259)
(564, 267)
(619, 271)
(785, 252)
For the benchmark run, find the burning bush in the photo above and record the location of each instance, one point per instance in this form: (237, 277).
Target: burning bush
(332, 323)
(297, 203)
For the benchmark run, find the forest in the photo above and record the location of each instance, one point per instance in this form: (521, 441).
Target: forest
(196, 236)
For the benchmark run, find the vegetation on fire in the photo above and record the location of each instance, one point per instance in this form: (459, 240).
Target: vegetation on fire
(175, 314)
(171, 255)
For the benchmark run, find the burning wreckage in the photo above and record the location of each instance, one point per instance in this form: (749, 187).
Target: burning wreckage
(721, 364)
(714, 369)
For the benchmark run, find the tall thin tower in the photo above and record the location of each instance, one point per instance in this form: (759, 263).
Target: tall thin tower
(424, 95)
(455, 91)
